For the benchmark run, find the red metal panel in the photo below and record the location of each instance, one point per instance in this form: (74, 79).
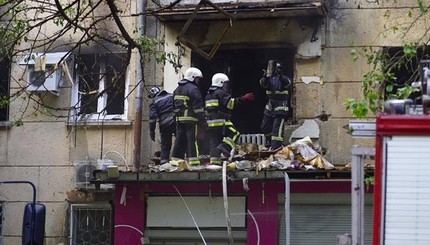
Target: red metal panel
(389, 125)
(403, 125)
(261, 202)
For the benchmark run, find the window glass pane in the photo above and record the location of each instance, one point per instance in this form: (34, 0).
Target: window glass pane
(4, 89)
(89, 78)
(115, 83)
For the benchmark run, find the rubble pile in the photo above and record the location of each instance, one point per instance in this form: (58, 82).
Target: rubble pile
(300, 155)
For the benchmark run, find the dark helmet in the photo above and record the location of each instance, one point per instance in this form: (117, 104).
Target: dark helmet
(154, 91)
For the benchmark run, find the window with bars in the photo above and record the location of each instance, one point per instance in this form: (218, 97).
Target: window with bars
(91, 224)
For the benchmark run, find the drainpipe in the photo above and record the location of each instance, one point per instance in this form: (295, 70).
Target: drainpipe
(140, 89)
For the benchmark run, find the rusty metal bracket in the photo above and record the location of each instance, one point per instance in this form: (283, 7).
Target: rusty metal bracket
(181, 37)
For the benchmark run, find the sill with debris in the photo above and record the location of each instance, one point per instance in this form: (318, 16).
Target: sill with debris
(300, 155)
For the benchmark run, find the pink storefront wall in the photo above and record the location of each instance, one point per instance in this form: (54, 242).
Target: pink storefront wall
(262, 203)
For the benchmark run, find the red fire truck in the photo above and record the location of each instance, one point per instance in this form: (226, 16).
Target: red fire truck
(402, 180)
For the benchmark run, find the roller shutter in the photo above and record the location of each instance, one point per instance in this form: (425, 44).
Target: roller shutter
(407, 190)
(168, 221)
(317, 218)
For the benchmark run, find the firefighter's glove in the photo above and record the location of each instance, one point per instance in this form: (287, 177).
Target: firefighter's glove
(152, 135)
(247, 97)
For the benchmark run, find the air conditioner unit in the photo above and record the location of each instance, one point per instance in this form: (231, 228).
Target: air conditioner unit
(83, 174)
(45, 70)
(42, 81)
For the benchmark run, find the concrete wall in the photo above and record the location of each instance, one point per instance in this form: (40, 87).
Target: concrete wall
(45, 147)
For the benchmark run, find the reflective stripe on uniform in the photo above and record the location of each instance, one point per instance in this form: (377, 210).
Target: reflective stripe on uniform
(199, 110)
(229, 142)
(195, 142)
(230, 104)
(194, 161)
(281, 108)
(216, 123)
(236, 134)
(215, 160)
(268, 92)
(280, 131)
(181, 97)
(212, 103)
(183, 119)
(276, 138)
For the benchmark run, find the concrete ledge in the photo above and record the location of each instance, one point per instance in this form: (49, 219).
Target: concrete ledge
(315, 175)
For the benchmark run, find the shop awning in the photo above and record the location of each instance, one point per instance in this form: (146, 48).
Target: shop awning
(242, 10)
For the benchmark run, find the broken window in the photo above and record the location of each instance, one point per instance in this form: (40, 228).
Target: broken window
(101, 87)
(228, 20)
(408, 71)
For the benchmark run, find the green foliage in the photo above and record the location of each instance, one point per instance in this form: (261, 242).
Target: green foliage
(12, 32)
(18, 123)
(148, 46)
(380, 82)
(4, 101)
(357, 108)
(369, 180)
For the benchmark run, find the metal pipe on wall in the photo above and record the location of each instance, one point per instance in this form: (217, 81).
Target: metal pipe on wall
(139, 91)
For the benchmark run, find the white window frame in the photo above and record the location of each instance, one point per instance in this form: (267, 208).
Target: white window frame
(102, 100)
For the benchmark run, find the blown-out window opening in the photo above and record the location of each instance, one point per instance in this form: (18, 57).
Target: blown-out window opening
(101, 87)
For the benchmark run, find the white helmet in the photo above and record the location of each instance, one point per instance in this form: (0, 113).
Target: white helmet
(154, 91)
(191, 73)
(218, 79)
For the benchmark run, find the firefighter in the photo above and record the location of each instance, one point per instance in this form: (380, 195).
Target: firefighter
(161, 110)
(189, 113)
(277, 86)
(218, 106)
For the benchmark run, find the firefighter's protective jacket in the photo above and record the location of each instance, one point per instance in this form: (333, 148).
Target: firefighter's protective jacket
(277, 87)
(188, 103)
(219, 105)
(161, 108)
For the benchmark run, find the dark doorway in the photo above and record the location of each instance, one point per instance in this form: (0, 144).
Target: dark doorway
(244, 67)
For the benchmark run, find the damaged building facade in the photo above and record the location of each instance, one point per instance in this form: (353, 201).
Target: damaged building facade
(311, 38)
